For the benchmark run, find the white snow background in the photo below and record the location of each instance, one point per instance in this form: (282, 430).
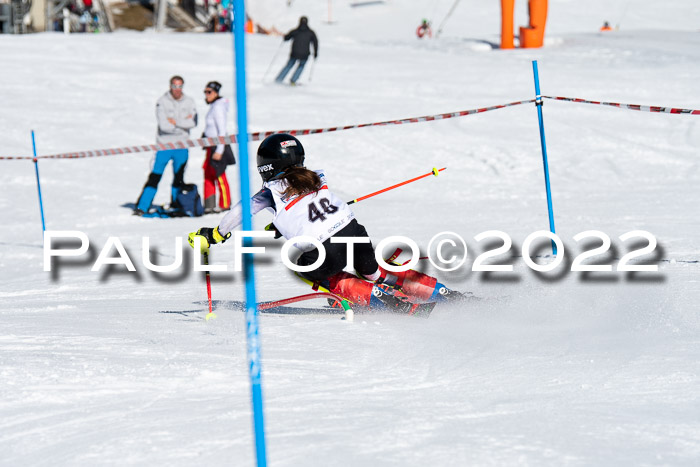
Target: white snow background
(562, 368)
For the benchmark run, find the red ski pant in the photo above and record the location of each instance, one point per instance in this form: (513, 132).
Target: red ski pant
(417, 287)
(212, 181)
(351, 288)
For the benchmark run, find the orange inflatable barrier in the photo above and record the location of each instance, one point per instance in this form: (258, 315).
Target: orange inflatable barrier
(530, 36)
(533, 36)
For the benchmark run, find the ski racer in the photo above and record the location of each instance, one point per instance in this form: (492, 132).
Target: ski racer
(303, 205)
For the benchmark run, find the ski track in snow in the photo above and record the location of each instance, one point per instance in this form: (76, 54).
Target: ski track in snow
(118, 368)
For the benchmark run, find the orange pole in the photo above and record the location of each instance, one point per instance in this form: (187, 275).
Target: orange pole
(434, 172)
(507, 13)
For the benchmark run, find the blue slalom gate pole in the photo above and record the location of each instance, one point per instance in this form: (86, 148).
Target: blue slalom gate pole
(543, 143)
(247, 224)
(38, 184)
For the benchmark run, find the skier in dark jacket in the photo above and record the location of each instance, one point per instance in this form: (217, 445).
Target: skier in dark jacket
(302, 37)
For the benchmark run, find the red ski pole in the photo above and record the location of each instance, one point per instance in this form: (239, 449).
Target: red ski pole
(434, 172)
(205, 255)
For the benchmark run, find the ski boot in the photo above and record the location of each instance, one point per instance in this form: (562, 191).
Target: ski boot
(390, 299)
(444, 294)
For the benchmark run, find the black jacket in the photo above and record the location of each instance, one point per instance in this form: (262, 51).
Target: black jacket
(302, 37)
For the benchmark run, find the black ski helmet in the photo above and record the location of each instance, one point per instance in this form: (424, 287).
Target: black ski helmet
(278, 152)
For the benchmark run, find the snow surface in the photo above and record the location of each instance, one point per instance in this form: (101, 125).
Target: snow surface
(564, 368)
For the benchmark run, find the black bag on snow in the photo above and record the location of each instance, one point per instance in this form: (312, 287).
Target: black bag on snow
(189, 201)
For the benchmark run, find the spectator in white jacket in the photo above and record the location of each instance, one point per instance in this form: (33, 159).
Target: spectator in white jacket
(177, 115)
(219, 156)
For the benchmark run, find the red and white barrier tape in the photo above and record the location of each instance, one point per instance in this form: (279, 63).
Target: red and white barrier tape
(231, 139)
(190, 143)
(641, 108)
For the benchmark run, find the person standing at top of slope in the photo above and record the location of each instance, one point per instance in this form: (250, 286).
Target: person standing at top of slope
(177, 115)
(303, 205)
(424, 30)
(302, 37)
(217, 157)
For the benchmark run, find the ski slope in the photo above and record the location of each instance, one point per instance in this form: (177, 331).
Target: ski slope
(561, 368)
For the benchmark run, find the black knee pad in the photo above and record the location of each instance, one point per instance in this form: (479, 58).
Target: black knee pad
(153, 180)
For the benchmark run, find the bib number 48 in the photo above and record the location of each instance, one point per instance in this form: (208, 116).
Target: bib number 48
(316, 214)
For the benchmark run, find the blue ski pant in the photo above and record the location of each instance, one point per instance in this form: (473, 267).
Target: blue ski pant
(179, 158)
(287, 68)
